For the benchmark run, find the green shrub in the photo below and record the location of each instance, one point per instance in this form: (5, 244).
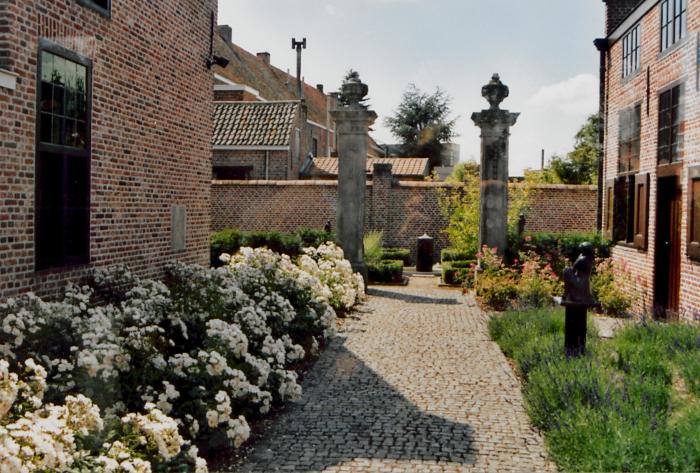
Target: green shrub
(562, 248)
(453, 254)
(373, 243)
(225, 241)
(611, 286)
(402, 254)
(385, 272)
(312, 238)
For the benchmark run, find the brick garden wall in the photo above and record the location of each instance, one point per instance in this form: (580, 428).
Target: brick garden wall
(151, 132)
(403, 210)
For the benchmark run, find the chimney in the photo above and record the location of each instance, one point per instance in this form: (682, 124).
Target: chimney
(617, 11)
(265, 57)
(225, 32)
(319, 87)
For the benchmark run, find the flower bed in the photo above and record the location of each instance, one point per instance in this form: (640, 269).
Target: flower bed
(212, 349)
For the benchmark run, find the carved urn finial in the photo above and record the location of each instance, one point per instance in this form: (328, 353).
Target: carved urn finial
(353, 90)
(495, 92)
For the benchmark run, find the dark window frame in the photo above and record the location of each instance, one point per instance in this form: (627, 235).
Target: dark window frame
(629, 139)
(674, 22)
(631, 51)
(105, 11)
(671, 125)
(42, 262)
(693, 241)
(628, 213)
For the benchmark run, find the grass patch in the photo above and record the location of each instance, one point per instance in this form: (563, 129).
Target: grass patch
(618, 408)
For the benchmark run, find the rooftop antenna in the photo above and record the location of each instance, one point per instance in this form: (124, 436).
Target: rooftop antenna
(299, 45)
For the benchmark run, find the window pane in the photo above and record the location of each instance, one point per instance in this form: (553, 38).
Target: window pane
(49, 212)
(46, 66)
(45, 128)
(58, 98)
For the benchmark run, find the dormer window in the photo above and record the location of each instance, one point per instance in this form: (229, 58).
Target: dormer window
(674, 22)
(630, 52)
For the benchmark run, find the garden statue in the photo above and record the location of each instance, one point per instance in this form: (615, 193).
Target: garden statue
(577, 300)
(327, 227)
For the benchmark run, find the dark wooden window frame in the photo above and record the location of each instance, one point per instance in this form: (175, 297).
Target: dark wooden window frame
(674, 22)
(671, 132)
(693, 250)
(627, 216)
(104, 10)
(631, 51)
(65, 151)
(627, 140)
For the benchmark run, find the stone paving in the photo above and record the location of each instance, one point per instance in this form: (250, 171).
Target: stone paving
(411, 384)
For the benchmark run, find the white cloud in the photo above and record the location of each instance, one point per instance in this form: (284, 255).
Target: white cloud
(331, 10)
(574, 96)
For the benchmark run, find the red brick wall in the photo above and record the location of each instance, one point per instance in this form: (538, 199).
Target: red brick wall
(678, 63)
(403, 210)
(151, 132)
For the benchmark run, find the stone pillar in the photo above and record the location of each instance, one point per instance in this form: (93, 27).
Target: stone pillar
(352, 122)
(495, 131)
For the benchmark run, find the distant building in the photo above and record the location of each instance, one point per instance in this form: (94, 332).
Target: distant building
(405, 169)
(450, 155)
(651, 173)
(105, 131)
(250, 130)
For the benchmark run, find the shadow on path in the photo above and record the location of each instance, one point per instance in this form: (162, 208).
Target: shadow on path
(412, 298)
(350, 412)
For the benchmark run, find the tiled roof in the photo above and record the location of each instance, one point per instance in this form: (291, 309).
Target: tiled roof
(401, 167)
(254, 123)
(246, 68)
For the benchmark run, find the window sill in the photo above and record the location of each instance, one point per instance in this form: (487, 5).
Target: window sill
(106, 12)
(677, 45)
(629, 246)
(61, 269)
(8, 79)
(629, 78)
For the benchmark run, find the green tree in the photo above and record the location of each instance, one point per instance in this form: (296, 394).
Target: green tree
(581, 165)
(422, 122)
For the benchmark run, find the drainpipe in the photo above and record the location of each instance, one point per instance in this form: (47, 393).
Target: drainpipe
(601, 45)
(267, 165)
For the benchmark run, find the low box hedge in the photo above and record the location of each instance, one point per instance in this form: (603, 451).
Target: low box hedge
(388, 271)
(456, 272)
(394, 254)
(453, 254)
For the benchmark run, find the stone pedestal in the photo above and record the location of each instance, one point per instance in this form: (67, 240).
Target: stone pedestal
(352, 123)
(495, 132)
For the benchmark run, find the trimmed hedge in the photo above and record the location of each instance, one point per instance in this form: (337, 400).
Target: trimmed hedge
(453, 254)
(456, 272)
(390, 271)
(403, 254)
(231, 240)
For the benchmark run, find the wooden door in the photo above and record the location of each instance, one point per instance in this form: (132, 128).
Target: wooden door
(667, 260)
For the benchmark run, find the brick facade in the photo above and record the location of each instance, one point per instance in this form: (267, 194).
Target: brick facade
(403, 210)
(658, 71)
(151, 132)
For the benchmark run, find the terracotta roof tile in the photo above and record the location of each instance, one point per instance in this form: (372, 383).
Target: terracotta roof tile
(254, 123)
(401, 167)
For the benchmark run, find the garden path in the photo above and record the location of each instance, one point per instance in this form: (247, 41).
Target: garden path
(411, 384)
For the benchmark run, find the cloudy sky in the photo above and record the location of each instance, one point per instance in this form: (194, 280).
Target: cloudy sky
(543, 50)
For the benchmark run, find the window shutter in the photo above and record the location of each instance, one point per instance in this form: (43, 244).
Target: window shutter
(694, 213)
(641, 210)
(609, 208)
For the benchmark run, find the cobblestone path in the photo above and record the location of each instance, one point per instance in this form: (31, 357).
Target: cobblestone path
(412, 384)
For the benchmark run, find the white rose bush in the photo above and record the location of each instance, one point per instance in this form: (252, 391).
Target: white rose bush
(130, 374)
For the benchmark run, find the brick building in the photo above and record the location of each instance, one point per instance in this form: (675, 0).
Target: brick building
(651, 167)
(251, 78)
(105, 132)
